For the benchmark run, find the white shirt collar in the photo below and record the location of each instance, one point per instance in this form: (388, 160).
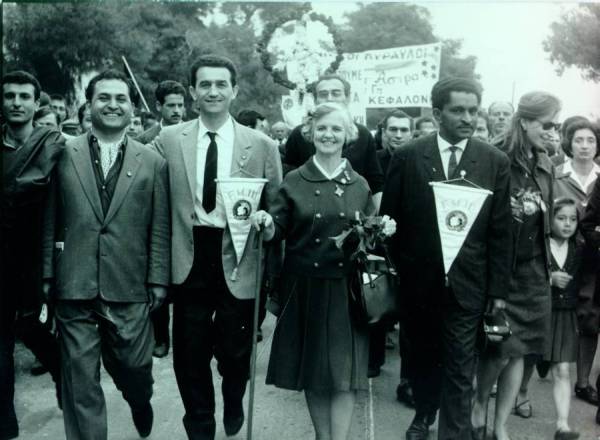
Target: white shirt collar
(568, 170)
(225, 131)
(443, 144)
(335, 173)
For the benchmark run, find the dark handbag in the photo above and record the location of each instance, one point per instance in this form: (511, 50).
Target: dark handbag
(373, 290)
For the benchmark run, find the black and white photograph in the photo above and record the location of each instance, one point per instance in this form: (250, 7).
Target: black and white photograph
(277, 220)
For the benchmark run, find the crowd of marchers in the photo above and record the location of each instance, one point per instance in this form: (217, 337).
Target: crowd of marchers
(109, 218)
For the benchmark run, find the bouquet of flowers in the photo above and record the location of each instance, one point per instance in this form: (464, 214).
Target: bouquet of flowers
(526, 202)
(363, 235)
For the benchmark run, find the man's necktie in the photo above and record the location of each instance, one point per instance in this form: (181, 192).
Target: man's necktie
(209, 191)
(452, 163)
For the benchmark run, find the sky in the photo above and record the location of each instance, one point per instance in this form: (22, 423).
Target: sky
(506, 37)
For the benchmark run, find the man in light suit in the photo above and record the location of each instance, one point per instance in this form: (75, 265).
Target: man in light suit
(441, 315)
(212, 294)
(107, 256)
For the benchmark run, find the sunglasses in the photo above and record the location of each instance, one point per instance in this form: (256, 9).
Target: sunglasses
(547, 126)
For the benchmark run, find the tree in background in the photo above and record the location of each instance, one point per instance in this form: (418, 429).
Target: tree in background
(386, 25)
(60, 41)
(575, 40)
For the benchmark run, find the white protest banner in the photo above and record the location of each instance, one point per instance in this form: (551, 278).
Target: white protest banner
(395, 77)
(240, 197)
(457, 209)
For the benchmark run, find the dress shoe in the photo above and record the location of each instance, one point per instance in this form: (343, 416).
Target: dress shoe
(233, 425)
(160, 350)
(373, 371)
(587, 394)
(143, 417)
(566, 435)
(523, 409)
(419, 428)
(404, 394)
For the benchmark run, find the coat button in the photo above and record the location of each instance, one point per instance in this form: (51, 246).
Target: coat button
(340, 264)
(342, 214)
(318, 215)
(317, 240)
(317, 192)
(193, 216)
(316, 264)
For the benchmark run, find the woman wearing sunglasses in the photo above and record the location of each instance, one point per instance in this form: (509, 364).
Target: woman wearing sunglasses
(528, 303)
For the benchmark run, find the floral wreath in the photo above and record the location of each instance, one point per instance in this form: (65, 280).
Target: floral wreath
(270, 29)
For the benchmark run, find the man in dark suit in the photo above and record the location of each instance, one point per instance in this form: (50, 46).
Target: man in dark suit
(213, 295)
(28, 157)
(170, 103)
(361, 153)
(107, 256)
(441, 314)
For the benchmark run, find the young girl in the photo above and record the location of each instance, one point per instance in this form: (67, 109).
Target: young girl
(562, 350)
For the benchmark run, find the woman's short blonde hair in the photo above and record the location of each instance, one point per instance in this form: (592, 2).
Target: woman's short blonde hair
(324, 109)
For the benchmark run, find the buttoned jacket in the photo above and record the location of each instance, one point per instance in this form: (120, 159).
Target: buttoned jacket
(311, 209)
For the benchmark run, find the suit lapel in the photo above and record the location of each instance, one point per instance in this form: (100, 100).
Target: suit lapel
(242, 150)
(129, 169)
(432, 161)
(189, 150)
(82, 161)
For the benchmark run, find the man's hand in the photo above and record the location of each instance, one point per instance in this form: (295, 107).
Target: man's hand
(157, 296)
(496, 304)
(262, 219)
(46, 288)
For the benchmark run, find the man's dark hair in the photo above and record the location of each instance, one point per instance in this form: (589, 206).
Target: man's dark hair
(580, 124)
(424, 119)
(168, 87)
(249, 118)
(57, 97)
(112, 74)
(440, 94)
(81, 111)
(328, 76)
(396, 113)
(22, 77)
(213, 61)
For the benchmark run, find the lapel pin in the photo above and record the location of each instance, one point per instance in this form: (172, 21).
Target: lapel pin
(463, 173)
(338, 191)
(434, 170)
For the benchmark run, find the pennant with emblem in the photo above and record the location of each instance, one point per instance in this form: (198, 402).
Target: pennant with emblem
(457, 209)
(241, 197)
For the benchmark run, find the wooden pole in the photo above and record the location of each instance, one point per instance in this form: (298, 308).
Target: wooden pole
(254, 335)
(135, 83)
